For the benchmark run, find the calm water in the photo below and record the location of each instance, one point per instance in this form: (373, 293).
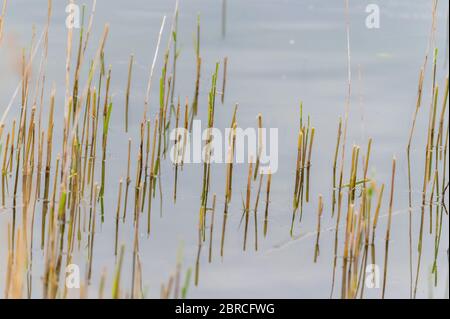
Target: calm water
(280, 52)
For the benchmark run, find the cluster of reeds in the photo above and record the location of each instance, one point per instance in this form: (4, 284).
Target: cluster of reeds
(206, 179)
(435, 183)
(360, 222)
(72, 184)
(305, 144)
(30, 151)
(253, 173)
(362, 218)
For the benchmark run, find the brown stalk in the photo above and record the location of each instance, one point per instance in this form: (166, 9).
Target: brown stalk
(388, 232)
(319, 219)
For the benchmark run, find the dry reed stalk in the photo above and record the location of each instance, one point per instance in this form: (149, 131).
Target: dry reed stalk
(349, 92)
(439, 143)
(106, 119)
(428, 164)
(92, 232)
(211, 228)
(308, 165)
(418, 104)
(28, 160)
(186, 124)
(297, 176)
(86, 123)
(90, 101)
(68, 63)
(377, 213)
(78, 65)
(440, 150)
(176, 150)
(301, 193)
(431, 133)
(260, 146)
(408, 153)
(364, 198)
(51, 276)
(119, 198)
(2, 19)
(89, 28)
(93, 144)
(349, 282)
(19, 150)
(11, 153)
(162, 123)
(128, 181)
(127, 95)
(155, 57)
(73, 199)
(208, 148)
(135, 262)
(139, 168)
(319, 222)
(152, 176)
(169, 107)
(366, 220)
(266, 213)
(430, 136)
(247, 201)
(138, 279)
(229, 178)
(336, 154)
(353, 174)
(346, 255)
(357, 244)
(198, 60)
(146, 173)
(199, 249)
(224, 81)
(356, 270)
(431, 202)
(230, 160)
(388, 232)
(167, 117)
(4, 170)
(255, 211)
(176, 53)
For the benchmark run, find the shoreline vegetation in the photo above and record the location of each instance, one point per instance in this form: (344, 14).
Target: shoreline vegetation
(54, 197)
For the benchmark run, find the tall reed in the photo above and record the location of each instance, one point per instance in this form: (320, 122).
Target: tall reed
(388, 231)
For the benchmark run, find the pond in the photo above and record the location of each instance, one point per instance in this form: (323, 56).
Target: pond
(280, 54)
